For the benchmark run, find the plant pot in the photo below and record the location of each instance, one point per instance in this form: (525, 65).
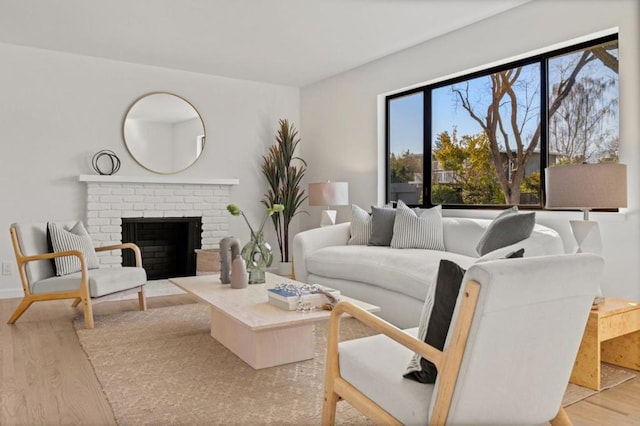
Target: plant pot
(285, 269)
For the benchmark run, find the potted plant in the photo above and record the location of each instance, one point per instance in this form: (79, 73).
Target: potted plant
(284, 177)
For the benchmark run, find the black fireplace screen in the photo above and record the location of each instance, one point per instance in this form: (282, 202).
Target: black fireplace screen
(167, 245)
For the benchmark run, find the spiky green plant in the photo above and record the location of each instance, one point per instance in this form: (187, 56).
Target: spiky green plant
(284, 182)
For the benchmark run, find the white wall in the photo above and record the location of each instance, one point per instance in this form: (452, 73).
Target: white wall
(58, 109)
(340, 128)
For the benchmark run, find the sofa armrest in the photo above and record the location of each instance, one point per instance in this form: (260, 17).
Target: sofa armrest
(306, 242)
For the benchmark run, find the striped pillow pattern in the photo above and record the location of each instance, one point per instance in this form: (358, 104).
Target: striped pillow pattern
(360, 228)
(75, 239)
(420, 232)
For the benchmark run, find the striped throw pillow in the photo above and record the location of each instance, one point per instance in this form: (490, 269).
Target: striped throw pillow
(421, 232)
(360, 227)
(75, 239)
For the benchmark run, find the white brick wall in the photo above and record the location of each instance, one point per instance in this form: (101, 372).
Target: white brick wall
(108, 203)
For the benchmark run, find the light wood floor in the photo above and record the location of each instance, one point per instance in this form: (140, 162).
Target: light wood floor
(46, 378)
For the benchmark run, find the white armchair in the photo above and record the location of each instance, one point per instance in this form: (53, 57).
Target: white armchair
(40, 283)
(509, 353)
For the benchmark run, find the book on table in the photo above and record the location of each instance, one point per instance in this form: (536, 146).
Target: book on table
(288, 299)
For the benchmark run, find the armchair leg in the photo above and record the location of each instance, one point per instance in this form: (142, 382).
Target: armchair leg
(142, 299)
(76, 302)
(329, 408)
(561, 419)
(24, 304)
(88, 313)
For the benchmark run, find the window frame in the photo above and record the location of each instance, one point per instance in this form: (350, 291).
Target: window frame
(543, 60)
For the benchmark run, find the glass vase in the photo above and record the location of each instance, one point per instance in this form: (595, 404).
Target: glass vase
(257, 254)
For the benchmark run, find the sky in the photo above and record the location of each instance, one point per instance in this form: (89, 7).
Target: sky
(406, 112)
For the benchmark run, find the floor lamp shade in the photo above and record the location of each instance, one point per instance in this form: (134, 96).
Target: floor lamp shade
(586, 187)
(328, 194)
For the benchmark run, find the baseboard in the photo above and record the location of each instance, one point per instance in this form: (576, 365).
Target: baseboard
(11, 293)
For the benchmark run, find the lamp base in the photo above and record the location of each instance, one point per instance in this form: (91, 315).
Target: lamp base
(328, 217)
(587, 234)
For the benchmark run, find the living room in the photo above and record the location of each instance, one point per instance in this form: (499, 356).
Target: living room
(61, 106)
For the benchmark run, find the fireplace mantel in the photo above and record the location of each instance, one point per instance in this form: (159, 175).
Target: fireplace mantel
(157, 179)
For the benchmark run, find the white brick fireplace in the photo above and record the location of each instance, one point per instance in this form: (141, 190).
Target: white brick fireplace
(111, 198)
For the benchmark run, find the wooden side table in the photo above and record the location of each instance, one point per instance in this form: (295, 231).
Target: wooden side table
(612, 335)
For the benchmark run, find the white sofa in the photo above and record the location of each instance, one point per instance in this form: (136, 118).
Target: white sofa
(397, 279)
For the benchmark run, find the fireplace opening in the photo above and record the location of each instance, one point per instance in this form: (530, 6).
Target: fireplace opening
(167, 245)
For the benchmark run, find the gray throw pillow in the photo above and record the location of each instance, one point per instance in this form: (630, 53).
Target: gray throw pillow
(382, 220)
(509, 227)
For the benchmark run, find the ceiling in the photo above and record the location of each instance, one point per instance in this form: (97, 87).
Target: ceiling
(290, 42)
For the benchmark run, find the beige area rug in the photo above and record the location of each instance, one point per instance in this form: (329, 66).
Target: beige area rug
(610, 376)
(162, 367)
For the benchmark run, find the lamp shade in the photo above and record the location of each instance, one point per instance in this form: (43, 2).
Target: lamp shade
(329, 194)
(586, 186)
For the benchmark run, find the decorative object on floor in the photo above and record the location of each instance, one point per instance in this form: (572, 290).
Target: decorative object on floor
(229, 249)
(178, 341)
(40, 283)
(163, 132)
(176, 388)
(239, 276)
(586, 187)
(328, 194)
(284, 177)
(257, 252)
(105, 162)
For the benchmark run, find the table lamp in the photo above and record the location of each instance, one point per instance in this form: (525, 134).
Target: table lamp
(586, 187)
(328, 194)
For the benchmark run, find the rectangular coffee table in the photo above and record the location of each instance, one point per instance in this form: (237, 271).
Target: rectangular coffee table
(258, 332)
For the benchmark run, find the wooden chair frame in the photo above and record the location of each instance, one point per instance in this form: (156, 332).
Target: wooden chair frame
(83, 294)
(447, 363)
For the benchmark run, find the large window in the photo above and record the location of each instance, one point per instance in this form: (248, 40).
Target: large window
(489, 134)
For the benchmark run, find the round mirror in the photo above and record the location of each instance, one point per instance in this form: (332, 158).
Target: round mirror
(163, 132)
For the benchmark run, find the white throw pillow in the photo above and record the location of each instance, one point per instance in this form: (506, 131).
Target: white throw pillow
(360, 228)
(75, 239)
(421, 232)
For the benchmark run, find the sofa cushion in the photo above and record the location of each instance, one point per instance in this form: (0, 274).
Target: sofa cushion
(407, 271)
(507, 228)
(421, 232)
(360, 365)
(360, 227)
(382, 220)
(101, 281)
(76, 238)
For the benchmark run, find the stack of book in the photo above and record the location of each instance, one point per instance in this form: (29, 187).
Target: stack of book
(287, 298)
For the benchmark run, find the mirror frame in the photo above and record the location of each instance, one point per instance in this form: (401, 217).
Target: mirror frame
(124, 138)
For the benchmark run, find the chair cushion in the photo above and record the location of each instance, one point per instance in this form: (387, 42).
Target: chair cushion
(32, 239)
(101, 281)
(76, 238)
(421, 232)
(374, 365)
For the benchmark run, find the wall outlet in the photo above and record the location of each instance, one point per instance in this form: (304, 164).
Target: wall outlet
(6, 268)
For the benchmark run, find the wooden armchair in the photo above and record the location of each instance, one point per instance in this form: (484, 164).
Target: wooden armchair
(87, 286)
(514, 336)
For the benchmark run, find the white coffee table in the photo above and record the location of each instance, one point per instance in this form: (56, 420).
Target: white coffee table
(261, 334)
